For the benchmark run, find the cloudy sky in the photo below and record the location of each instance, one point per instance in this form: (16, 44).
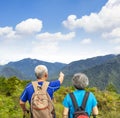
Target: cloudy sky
(58, 30)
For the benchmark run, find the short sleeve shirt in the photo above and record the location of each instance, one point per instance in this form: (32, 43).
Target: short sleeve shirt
(79, 95)
(29, 90)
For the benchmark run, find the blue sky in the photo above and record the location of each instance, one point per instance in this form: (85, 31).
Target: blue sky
(58, 30)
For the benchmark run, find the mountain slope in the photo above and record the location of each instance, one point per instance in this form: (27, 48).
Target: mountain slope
(26, 67)
(78, 66)
(9, 71)
(100, 76)
(101, 70)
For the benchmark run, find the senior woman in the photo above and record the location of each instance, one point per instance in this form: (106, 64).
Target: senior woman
(80, 82)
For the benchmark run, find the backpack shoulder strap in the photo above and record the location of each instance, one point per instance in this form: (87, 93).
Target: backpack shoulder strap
(74, 101)
(45, 85)
(35, 85)
(84, 100)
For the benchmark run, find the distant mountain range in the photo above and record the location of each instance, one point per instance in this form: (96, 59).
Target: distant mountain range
(106, 73)
(101, 70)
(24, 69)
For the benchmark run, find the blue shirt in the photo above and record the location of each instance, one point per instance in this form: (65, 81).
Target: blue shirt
(79, 95)
(29, 90)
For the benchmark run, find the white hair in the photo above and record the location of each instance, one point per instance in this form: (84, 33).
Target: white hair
(80, 80)
(40, 70)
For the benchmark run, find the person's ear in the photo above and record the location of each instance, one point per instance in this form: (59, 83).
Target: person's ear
(46, 75)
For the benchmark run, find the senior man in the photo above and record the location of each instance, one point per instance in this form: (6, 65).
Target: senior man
(41, 73)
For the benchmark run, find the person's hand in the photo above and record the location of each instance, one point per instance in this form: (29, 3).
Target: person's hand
(61, 77)
(61, 74)
(26, 113)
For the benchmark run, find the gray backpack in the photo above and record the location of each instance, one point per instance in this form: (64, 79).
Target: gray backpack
(41, 103)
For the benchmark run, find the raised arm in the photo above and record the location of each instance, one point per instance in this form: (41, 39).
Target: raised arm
(61, 77)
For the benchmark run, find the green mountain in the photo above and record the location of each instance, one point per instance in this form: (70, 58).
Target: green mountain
(26, 67)
(105, 74)
(101, 70)
(100, 75)
(80, 65)
(9, 71)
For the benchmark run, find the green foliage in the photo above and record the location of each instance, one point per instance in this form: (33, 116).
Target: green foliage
(58, 109)
(111, 87)
(60, 94)
(9, 107)
(3, 83)
(11, 88)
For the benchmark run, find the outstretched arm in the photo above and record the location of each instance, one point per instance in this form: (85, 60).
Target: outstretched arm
(61, 77)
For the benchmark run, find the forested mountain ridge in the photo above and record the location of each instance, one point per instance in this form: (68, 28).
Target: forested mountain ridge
(7, 71)
(101, 70)
(80, 65)
(25, 68)
(105, 74)
(102, 75)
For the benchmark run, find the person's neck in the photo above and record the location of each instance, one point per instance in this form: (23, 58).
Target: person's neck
(41, 80)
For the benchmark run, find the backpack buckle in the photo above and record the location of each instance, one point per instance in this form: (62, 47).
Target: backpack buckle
(39, 87)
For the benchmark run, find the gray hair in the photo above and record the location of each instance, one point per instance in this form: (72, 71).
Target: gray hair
(80, 81)
(40, 70)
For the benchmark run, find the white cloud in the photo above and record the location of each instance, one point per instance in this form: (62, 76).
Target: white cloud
(86, 41)
(30, 42)
(5, 30)
(44, 48)
(106, 19)
(29, 26)
(106, 24)
(70, 22)
(48, 44)
(26, 28)
(27, 41)
(117, 49)
(89, 23)
(55, 36)
(116, 40)
(113, 36)
(7, 33)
